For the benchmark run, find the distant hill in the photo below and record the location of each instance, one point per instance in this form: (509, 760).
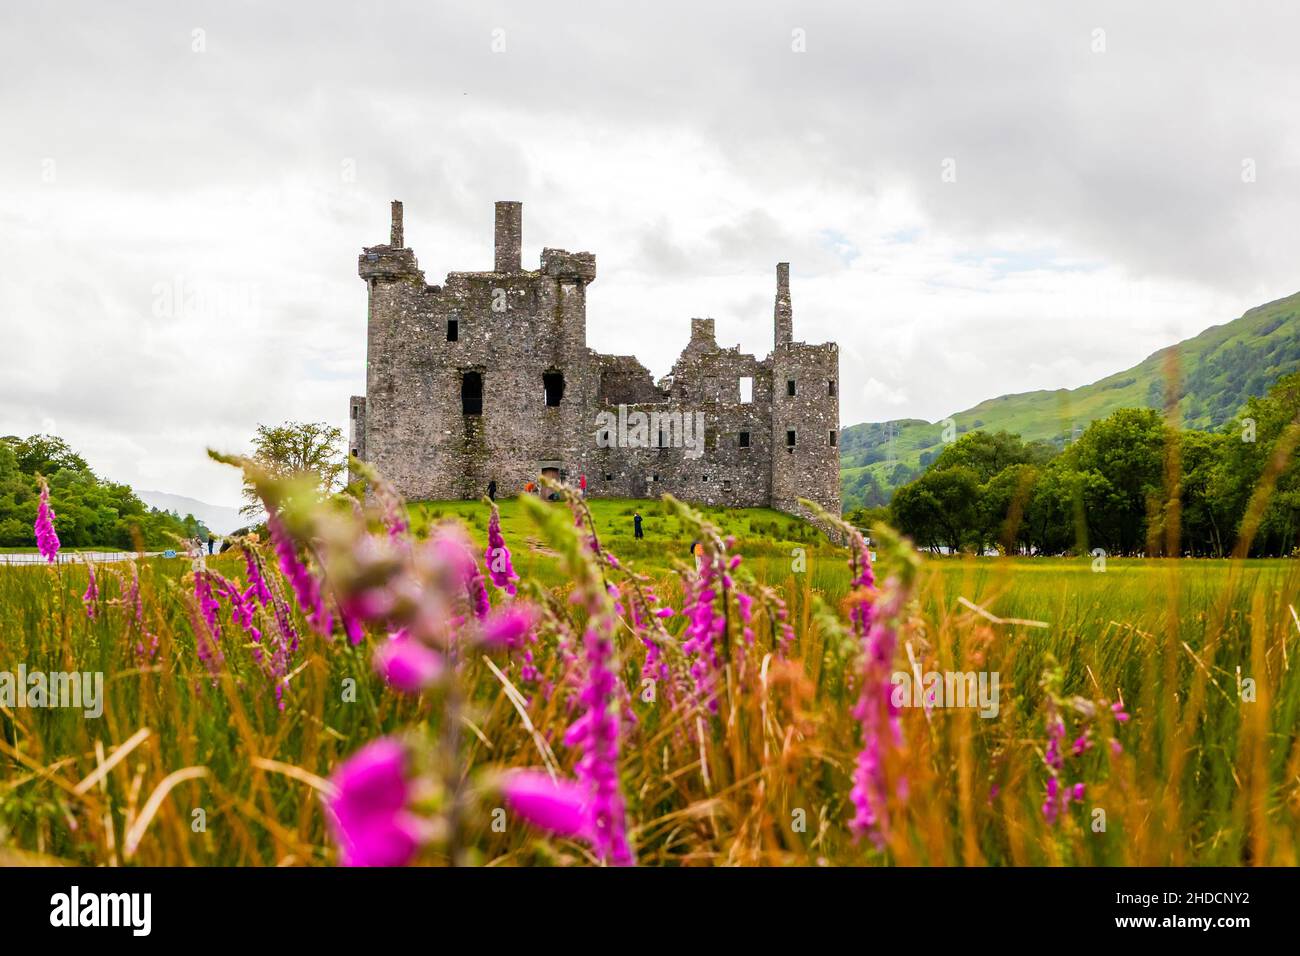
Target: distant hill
(220, 519)
(1220, 369)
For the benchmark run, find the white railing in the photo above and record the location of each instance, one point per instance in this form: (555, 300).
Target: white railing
(75, 557)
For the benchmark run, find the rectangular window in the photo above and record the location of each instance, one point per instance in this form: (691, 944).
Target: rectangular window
(553, 384)
(744, 439)
(789, 438)
(789, 386)
(835, 438)
(831, 388)
(746, 390)
(453, 330)
(471, 393)
(726, 486)
(608, 476)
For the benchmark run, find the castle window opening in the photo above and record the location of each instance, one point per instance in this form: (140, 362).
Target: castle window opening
(746, 390)
(453, 330)
(726, 486)
(831, 388)
(789, 386)
(471, 393)
(354, 413)
(789, 438)
(744, 439)
(608, 476)
(835, 438)
(553, 382)
(354, 453)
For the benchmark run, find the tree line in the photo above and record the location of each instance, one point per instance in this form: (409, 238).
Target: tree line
(1131, 484)
(90, 512)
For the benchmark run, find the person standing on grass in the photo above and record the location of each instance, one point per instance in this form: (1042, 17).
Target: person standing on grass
(697, 552)
(211, 542)
(582, 485)
(636, 525)
(492, 490)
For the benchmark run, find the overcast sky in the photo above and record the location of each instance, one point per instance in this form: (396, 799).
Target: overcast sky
(975, 198)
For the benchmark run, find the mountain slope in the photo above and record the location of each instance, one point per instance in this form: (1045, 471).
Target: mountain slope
(218, 518)
(1220, 369)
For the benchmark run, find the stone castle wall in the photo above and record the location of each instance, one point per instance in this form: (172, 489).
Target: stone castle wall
(488, 377)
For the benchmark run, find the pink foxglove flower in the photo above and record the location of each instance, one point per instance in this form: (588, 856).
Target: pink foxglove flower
(305, 586)
(368, 815)
(562, 807)
(451, 547)
(508, 627)
(47, 541)
(408, 665)
(497, 556)
(597, 733)
(878, 716)
(91, 597)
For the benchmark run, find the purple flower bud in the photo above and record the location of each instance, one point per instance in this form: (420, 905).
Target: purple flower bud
(408, 665)
(563, 807)
(507, 628)
(368, 815)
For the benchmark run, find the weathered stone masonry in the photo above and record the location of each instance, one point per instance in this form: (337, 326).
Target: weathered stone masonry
(488, 376)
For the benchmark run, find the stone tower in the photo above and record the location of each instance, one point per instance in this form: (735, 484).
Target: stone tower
(805, 413)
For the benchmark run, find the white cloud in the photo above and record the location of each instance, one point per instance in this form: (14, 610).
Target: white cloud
(1098, 211)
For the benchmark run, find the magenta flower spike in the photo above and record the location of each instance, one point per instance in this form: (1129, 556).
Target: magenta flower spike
(91, 597)
(305, 586)
(47, 540)
(497, 556)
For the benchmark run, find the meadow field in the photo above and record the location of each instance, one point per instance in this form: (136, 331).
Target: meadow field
(1146, 711)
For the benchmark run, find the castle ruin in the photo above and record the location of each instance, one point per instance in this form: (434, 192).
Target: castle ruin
(488, 377)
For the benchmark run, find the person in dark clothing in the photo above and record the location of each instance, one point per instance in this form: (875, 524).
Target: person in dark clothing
(211, 541)
(636, 525)
(492, 490)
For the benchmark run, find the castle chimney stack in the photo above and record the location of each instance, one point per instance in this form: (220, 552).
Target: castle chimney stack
(509, 236)
(396, 239)
(784, 313)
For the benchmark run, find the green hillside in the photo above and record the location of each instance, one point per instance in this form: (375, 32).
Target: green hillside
(1220, 368)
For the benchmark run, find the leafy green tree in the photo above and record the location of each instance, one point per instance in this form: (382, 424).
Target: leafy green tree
(1002, 507)
(301, 450)
(1251, 442)
(89, 512)
(938, 508)
(988, 453)
(1121, 459)
(1207, 521)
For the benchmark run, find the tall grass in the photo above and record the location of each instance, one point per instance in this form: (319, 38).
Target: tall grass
(1202, 776)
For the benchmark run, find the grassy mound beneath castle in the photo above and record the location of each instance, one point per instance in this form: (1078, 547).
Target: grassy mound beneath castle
(758, 531)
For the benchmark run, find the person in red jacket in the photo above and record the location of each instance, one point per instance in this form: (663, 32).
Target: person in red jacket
(582, 485)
